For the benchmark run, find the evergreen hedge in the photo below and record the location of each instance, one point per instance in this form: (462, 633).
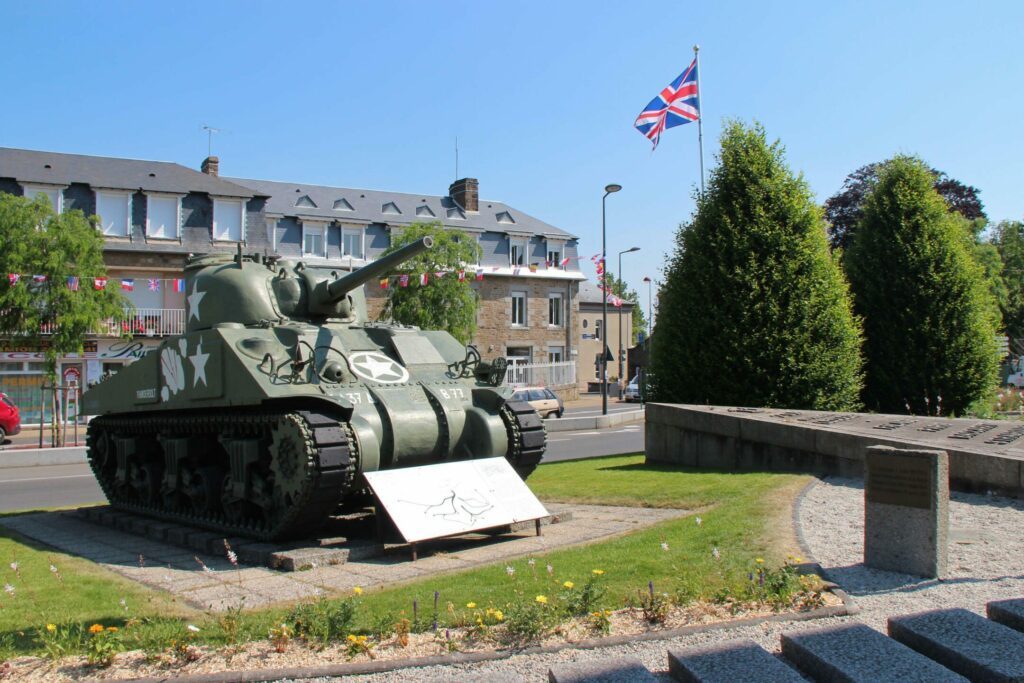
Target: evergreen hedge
(754, 310)
(928, 322)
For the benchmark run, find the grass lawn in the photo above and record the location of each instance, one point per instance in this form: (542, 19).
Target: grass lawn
(743, 515)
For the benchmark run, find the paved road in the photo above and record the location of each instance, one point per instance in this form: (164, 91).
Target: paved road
(614, 406)
(26, 488)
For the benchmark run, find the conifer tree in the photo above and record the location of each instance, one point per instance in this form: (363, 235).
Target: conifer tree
(928, 322)
(754, 311)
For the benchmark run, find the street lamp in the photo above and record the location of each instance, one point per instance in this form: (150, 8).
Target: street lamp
(622, 351)
(650, 320)
(608, 189)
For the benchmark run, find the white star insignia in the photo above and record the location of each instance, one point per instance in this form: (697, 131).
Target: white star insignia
(377, 367)
(198, 360)
(193, 301)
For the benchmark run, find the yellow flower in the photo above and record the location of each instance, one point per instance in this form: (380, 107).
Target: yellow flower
(597, 572)
(541, 599)
(96, 628)
(470, 605)
(759, 560)
(568, 584)
(357, 590)
(352, 638)
(51, 627)
(499, 615)
(112, 629)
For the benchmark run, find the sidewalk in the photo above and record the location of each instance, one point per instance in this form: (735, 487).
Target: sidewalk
(29, 438)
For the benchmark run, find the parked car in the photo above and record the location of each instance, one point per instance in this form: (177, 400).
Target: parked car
(632, 392)
(10, 419)
(542, 399)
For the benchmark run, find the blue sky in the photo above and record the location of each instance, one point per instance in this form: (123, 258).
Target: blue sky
(541, 95)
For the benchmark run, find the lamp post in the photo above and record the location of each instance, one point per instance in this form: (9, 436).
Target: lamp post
(608, 189)
(622, 351)
(650, 320)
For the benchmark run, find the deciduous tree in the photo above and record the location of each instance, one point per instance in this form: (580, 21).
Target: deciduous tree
(444, 303)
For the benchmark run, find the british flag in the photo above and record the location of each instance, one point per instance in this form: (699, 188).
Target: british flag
(677, 104)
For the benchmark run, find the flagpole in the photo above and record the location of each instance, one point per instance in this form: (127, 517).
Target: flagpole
(700, 118)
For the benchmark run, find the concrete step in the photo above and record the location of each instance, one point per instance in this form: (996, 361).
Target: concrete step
(965, 642)
(734, 660)
(855, 653)
(613, 670)
(1007, 612)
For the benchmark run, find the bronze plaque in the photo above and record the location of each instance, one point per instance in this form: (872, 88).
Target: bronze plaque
(895, 479)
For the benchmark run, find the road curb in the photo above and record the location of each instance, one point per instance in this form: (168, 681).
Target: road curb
(71, 455)
(572, 424)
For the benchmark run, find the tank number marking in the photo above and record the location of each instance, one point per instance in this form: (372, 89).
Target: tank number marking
(452, 393)
(356, 398)
(145, 393)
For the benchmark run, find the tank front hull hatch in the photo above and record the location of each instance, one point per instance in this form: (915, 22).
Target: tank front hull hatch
(263, 431)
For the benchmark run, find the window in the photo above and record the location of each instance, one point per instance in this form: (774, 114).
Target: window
(556, 354)
(163, 216)
(519, 309)
(115, 212)
(517, 252)
(554, 255)
(228, 220)
(352, 242)
(554, 309)
(314, 239)
(54, 194)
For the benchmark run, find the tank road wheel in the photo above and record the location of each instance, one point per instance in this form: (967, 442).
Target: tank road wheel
(527, 439)
(203, 488)
(291, 464)
(146, 480)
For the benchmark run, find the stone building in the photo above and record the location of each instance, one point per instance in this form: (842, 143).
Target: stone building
(153, 214)
(590, 303)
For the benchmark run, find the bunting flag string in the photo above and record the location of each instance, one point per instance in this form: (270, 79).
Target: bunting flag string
(76, 283)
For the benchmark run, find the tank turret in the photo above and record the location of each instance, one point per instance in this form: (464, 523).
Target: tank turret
(261, 419)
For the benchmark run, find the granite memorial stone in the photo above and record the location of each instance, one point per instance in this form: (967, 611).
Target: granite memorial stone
(906, 510)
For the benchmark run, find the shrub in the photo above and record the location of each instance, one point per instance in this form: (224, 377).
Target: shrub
(928, 327)
(754, 310)
(323, 621)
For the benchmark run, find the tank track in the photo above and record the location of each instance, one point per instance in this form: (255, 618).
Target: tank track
(527, 438)
(319, 461)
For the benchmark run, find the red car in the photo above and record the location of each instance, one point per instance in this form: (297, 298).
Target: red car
(10, 420)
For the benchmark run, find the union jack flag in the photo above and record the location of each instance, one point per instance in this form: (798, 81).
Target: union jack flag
(677, 104)
(154, 285)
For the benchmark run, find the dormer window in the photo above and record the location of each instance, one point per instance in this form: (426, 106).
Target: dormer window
(517, 251)
(342, 205)
(115, 212)
(505, 217)
(305, 202)
(53, 194)
(163, 216)
(424, 211)
(314, 239)
(555, 251)
(228, 220)
(390, 209)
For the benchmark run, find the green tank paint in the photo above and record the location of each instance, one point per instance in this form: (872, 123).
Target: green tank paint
(260, 419)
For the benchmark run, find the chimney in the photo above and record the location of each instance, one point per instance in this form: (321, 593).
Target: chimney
(211, 166)
(466, 194)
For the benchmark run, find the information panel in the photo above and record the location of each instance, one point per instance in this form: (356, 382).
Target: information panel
(454, 498)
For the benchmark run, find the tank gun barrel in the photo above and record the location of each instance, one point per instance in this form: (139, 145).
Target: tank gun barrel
(345, 284)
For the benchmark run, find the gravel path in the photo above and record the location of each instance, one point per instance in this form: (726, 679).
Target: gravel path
(986, 562)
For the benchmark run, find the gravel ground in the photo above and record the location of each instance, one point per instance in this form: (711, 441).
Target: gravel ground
(986, 562)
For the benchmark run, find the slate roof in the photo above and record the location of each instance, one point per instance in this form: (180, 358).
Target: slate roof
(393, 208)
(28, 166)
(590, 294)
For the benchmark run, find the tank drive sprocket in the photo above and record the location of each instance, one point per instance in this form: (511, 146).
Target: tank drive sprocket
(271, 475)
(527, 438)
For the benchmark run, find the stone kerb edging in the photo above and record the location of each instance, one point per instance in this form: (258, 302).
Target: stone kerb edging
(32, 457)
(571, 424)
(492, 655)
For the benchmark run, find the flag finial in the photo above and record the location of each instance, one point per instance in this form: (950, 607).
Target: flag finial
(696, 48)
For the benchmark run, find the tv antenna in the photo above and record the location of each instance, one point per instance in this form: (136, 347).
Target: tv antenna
(210, 130)
(456, 157)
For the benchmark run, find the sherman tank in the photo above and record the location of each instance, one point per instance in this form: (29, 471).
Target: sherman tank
(260, 420)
